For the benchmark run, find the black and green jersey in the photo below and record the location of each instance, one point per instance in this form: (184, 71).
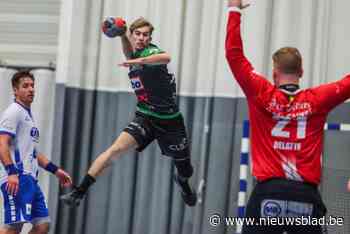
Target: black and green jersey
(154, 86)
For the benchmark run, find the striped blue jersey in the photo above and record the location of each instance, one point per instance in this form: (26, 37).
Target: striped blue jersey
(17, 121)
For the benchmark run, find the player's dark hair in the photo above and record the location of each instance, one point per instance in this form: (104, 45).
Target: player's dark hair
(16, 78)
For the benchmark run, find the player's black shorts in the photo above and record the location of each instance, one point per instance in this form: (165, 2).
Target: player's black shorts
(281, 198)
(170, 134)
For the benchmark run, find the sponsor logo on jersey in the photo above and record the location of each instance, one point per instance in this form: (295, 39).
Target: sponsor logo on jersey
(34, 133)
(136, 83)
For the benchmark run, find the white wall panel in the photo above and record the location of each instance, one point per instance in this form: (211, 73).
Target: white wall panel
(28, 31)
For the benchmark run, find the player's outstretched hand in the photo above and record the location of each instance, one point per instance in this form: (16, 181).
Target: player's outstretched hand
(349, 185)
(237, 3)
(64, 178)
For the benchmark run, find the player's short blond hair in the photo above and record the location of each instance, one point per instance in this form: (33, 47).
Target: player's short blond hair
(139, 23)
(288, 60)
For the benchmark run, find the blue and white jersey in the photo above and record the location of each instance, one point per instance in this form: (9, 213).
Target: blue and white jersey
(17, 121)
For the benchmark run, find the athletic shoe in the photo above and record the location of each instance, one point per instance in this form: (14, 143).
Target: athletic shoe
(73, 198)
(188, 194)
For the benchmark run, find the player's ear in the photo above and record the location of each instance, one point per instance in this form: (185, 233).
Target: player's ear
(274, 72)
(14, 89)
(301, 73)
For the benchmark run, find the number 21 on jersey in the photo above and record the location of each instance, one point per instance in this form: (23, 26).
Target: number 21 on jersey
(279, 129)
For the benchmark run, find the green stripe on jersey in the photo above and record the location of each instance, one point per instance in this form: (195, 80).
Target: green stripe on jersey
(154, 114)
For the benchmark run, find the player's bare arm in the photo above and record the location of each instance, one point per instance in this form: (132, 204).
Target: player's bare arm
(5, 157)
(5, 154)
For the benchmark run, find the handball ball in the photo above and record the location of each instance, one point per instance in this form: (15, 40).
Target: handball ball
(113, 27)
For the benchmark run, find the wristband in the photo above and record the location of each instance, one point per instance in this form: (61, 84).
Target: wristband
(11, 169)
(51, 168)
(235, 9)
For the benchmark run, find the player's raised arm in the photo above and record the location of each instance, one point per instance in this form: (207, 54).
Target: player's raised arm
(239, 64)
(126, 45)
(241, 68)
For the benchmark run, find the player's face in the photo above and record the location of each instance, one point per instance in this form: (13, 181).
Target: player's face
(141, 37)
(25, 91)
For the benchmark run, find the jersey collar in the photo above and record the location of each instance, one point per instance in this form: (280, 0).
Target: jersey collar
(290, 89)
(25, 108)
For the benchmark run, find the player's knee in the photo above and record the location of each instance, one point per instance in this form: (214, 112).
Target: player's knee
(41, 229)
(184, 167)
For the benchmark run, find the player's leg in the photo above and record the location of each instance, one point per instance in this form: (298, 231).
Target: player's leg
(122, 144)
(40, 213)
(173, 142)
(136, 135)
(15, 228)
(184, 172)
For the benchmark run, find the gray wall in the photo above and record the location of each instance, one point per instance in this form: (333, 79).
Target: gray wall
(336, 170)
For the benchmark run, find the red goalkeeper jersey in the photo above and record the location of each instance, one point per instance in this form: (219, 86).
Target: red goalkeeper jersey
(286, 133)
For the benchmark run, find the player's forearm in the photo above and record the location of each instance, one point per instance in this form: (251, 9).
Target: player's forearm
(233, 45)
(43, 161)
(158, 59)
(5, 154)
(239, 64)
(46, 164)
(127, 47)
